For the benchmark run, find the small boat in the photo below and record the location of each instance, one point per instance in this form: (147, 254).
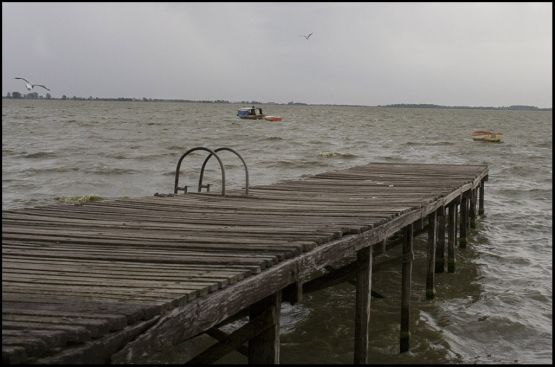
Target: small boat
(252, 113)
(487, 135)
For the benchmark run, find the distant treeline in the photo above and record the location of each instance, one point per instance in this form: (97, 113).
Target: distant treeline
(35, 95)
(426, 105)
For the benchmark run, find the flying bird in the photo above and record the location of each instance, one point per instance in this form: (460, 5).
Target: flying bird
(307, 36)
(30, 86)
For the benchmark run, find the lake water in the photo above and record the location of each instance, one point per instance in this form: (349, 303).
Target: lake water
(496, 308)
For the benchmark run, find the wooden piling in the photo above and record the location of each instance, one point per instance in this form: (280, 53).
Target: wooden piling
(472, 213)
(463, 220)
(481, 199)
(451, 237)
(406, 274)
(432, 239)
(362, 308)
(264, 348)
(293, 293)
(440, 246)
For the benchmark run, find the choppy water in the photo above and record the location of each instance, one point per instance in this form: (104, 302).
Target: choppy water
(497, 308)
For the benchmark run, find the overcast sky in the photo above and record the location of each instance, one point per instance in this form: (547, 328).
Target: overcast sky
(477, 54)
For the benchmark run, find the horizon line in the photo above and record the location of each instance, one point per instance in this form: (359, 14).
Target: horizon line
(394, 105)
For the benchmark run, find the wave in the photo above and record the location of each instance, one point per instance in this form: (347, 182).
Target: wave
(40, 155)
(78, 200)
(338, 155)
(292, 163)
(111, 171)
(272, 138)
(138, 158)
(50, 170)
(547, 144)
(437, 143)
(7, 152)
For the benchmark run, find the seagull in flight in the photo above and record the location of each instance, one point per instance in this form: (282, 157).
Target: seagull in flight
(30, 86)
(307, 36)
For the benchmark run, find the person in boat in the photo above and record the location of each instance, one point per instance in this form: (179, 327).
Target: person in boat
(253, 111)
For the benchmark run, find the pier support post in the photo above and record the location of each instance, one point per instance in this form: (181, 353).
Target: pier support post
(451, 236)
(264, 348)
(293, 293)
(464, 219)
(440, 247)
(406, 275)
(472, 213)
(481, 200)
(432, 237)
(362, 308)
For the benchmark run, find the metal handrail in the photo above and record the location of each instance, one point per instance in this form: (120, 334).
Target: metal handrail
(212, 153)
(238, 155)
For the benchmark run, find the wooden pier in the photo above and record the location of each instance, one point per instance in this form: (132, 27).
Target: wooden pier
(112, 281)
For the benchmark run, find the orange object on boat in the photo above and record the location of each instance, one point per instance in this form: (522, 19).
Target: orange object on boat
(272, 118)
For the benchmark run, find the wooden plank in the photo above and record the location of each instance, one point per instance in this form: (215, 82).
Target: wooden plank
(132, 311)
(97, 351)
(112, 321)
(149, 256)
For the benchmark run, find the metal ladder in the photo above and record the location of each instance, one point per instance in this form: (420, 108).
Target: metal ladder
(176, 188)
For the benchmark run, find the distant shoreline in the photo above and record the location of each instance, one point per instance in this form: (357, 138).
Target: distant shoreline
(398, 105)
(511, 108)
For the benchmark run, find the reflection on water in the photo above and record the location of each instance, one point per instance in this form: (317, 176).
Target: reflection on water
(496, 308)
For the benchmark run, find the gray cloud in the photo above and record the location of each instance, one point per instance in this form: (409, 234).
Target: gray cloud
(360, 53)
